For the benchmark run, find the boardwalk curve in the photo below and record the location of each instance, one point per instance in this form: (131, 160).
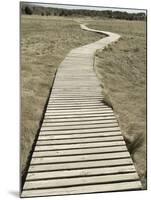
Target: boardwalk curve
(80, 148)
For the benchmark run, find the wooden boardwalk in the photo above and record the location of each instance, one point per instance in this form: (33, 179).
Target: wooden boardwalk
(80, 148)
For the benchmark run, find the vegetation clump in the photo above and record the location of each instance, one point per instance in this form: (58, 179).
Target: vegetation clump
(28, 10)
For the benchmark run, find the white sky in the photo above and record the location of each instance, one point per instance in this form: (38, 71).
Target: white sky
(129, 10)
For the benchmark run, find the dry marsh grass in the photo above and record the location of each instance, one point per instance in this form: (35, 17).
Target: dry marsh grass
(122, 70)
(44, 43)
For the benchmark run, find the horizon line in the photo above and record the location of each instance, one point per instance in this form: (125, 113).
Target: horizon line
(87, 7)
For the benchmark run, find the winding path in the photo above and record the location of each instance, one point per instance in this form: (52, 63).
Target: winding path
(80, 148)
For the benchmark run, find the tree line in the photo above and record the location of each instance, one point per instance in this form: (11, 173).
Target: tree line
(46, 11)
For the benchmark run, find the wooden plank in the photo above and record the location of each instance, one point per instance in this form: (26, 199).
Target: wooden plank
(76, 101)
(72, 89)
(79, 151)
(82, 119)
(82, 81)
(59, 95)
(75, 104)
(80, 181)
(80, 126)
(69, 70)
(120, 186)
(79, 146)
(80, 165)
(67, 103)
(84, 84)
(84, 111)
(86, 87)
(77, 56)
(69, 76)
(79, 116)
(79, 65)
(75, 89)
(72, 93)
(98, 109)
(85, 69)
(80, 107)
(76, 98)
(81, 131)
(64, 123)
(86, 135)
(86, 96)
(80, 158)
(75, 107)
(82, 78)
(75, 78)
(81, 172)
(79, 140)
(63, 102)
(72, 105)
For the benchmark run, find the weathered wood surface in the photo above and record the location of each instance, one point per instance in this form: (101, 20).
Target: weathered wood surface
(80, 148)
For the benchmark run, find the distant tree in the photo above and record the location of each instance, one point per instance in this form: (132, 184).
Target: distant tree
(47, 13)
(28, 10)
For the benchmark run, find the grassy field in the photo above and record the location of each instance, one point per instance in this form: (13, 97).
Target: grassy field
(45, 41)
(122, 70)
